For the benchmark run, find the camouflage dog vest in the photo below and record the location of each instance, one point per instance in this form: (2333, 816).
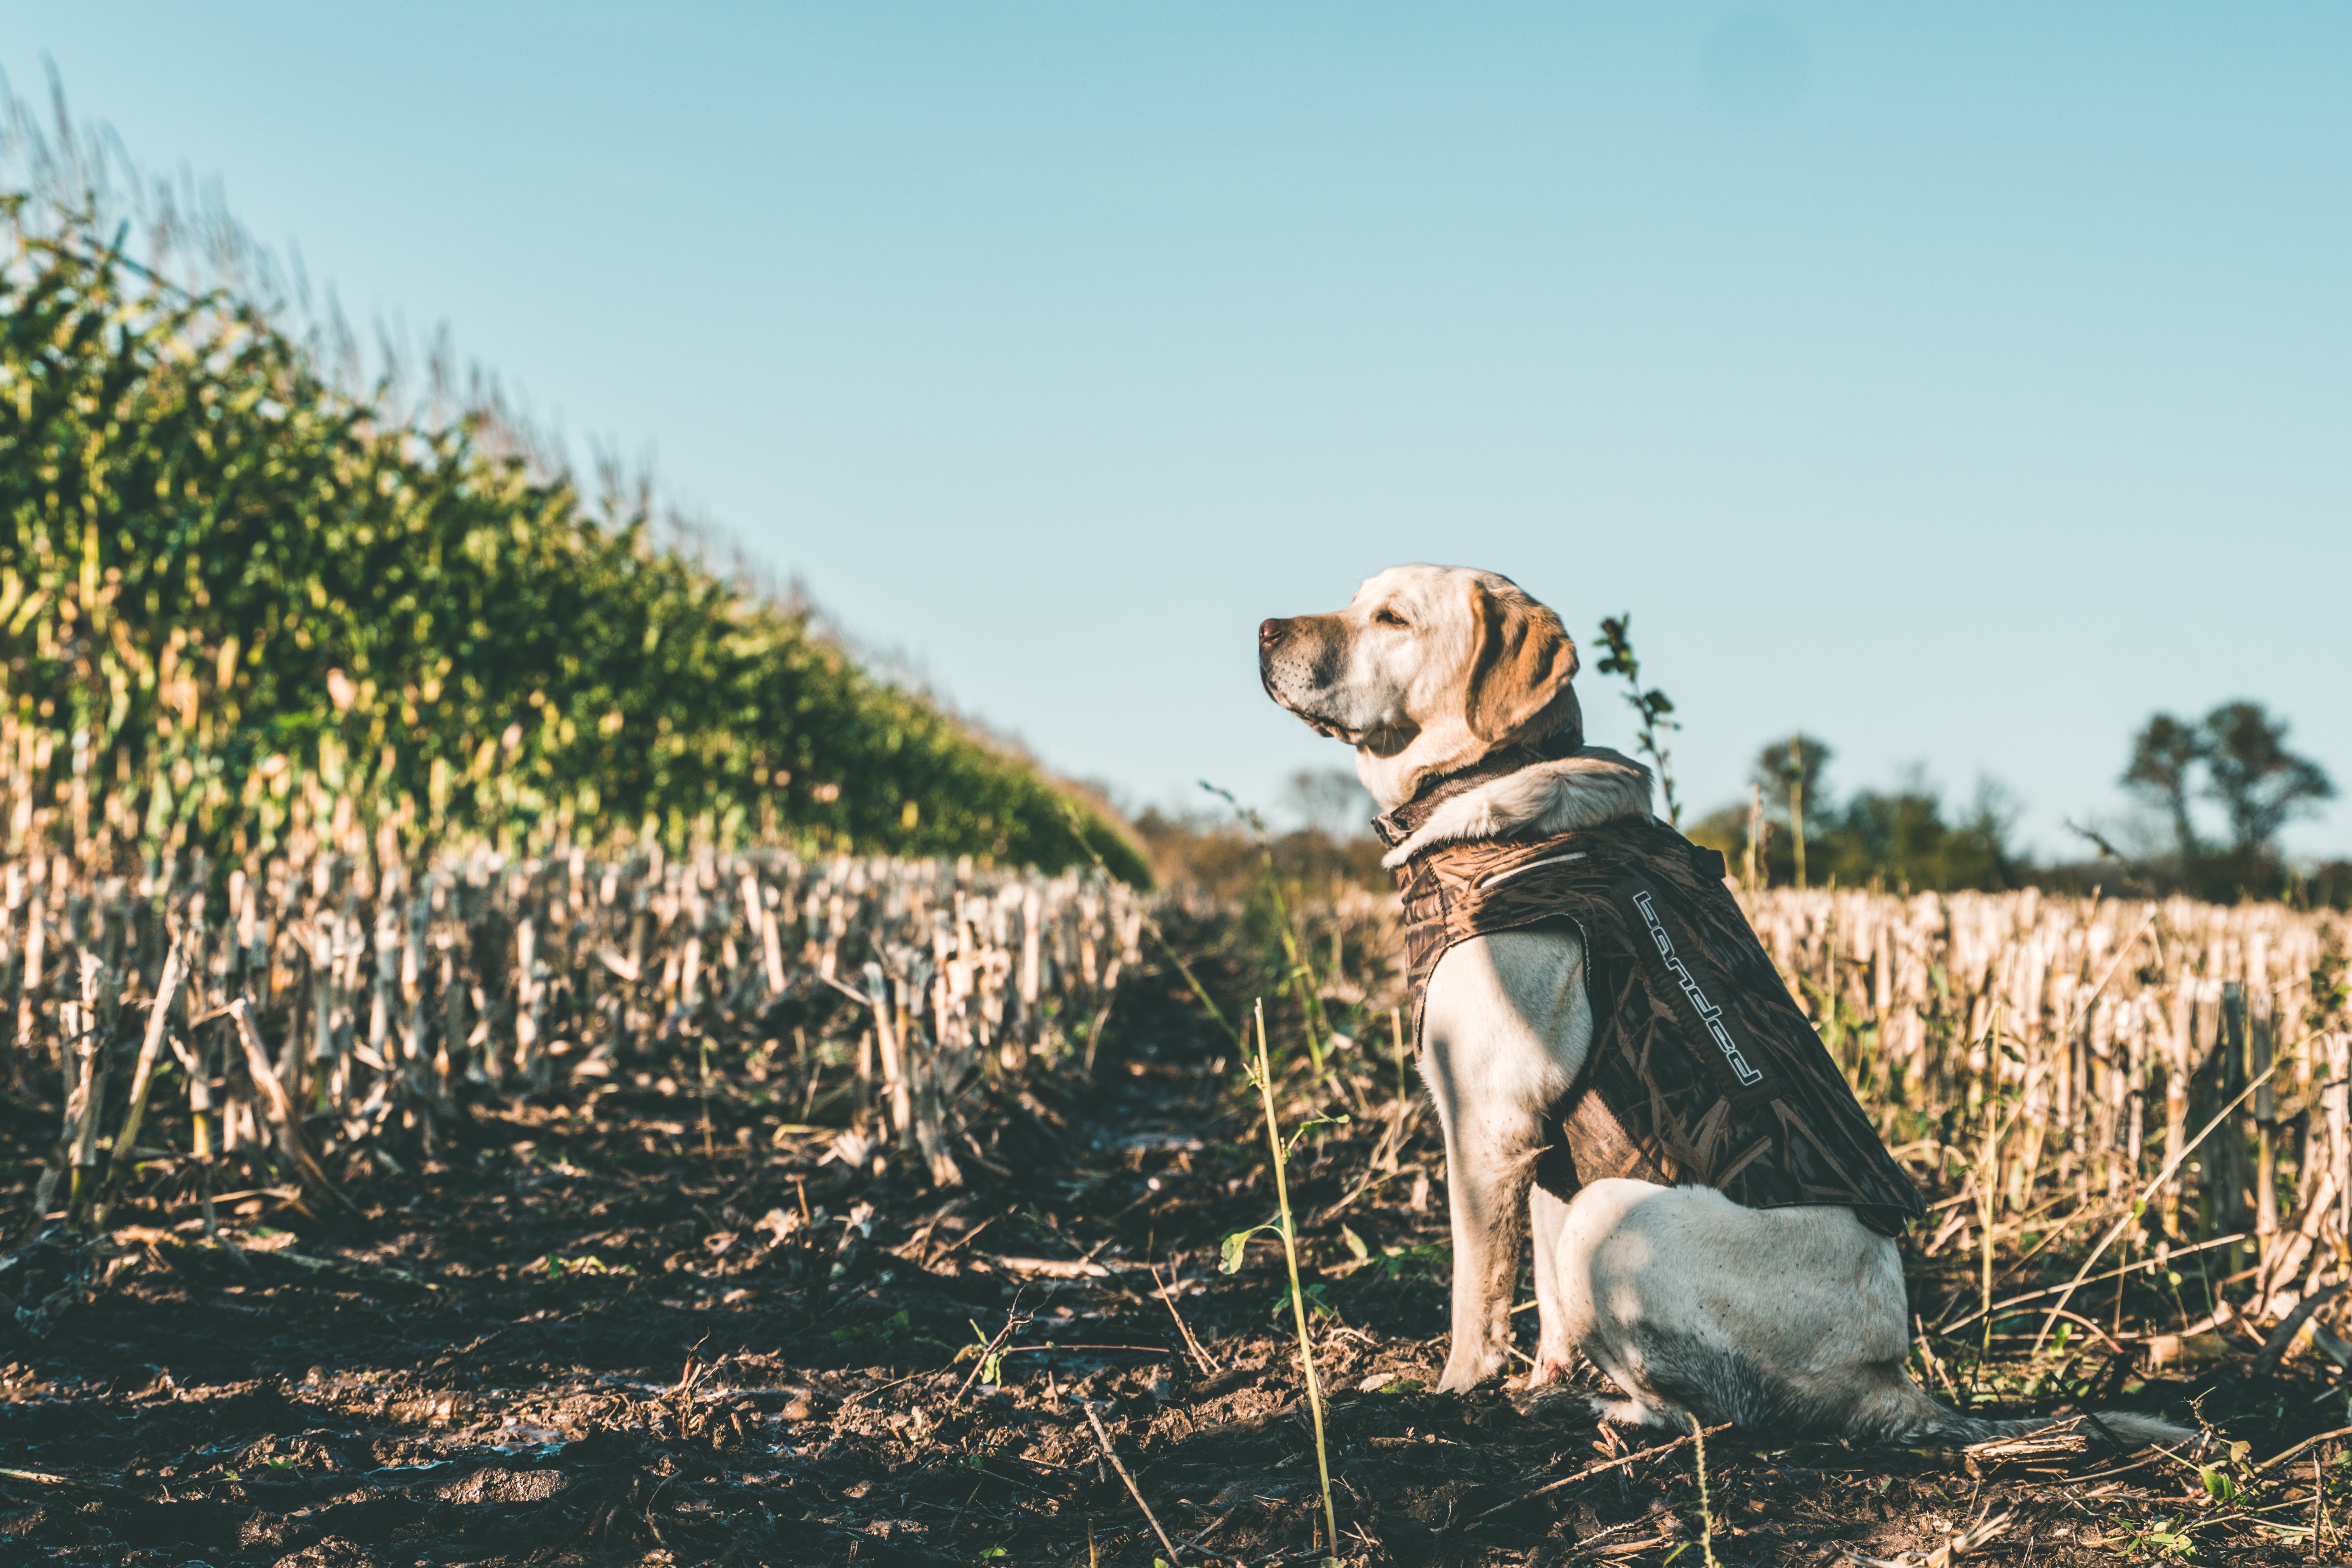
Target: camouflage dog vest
(1702, 1068)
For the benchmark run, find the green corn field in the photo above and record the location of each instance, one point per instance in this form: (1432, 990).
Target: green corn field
(240, 600)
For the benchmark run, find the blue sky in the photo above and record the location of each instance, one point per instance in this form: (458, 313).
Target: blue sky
(1957, 383)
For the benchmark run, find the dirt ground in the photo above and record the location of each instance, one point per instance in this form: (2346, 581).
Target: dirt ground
(607, 1332)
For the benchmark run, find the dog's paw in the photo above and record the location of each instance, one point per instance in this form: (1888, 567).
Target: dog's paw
(1465, 1373)
(1553, 1404)
(1637, 1413)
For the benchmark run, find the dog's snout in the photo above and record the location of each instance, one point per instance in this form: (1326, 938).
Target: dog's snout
(1269, 632)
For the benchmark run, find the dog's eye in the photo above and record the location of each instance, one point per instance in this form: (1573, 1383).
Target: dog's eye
(1387, 619)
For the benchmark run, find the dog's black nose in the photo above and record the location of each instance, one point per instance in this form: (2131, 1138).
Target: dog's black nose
(1270, 632)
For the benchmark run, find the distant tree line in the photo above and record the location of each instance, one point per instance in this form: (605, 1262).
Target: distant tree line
(1908, 837)
(1793, 831)
(1912, 838)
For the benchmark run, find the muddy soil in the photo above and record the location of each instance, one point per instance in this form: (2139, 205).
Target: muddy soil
(611, 1330)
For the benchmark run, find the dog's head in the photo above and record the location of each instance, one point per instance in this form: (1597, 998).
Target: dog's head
(1427, 671)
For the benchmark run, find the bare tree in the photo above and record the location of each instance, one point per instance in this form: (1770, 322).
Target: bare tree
(2164, 754)
(2259, 784)
(2247, 770)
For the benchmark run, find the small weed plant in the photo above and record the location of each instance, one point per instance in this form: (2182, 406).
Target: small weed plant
(1286, 1227)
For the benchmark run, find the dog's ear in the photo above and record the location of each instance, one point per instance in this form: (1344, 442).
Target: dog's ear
(1522, 662)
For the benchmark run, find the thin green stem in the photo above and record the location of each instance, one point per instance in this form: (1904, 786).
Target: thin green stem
(1705, 1510)
(1299, 979)
(1298, 1296)
(1396, 1028)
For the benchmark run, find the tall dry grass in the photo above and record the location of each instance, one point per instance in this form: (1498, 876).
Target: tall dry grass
(2042, 1062)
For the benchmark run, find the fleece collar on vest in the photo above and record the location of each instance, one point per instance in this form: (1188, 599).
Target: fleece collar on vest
(1546, 786)
(1394, 827)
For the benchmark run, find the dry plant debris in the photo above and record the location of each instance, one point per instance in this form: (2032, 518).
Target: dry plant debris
(586, 1340)
(665, 1311)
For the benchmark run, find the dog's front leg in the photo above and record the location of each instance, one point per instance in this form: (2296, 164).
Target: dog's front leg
(1505, 1028)
(1490, 1168)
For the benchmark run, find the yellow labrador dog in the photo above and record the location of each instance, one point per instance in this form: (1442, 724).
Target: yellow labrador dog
(1791, 1319)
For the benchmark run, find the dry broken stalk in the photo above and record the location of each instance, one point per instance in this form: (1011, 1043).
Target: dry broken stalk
(87, 1098)
(1132, 1490)
(2172, 1163)
(1167, 1289)
(363, 1003)
(282, 1112)
(142, 1078)
(1955, 1546)
(1602, 1469)
(984, 1364)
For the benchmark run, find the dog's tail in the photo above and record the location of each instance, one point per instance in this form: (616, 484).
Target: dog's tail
(1908, 1418)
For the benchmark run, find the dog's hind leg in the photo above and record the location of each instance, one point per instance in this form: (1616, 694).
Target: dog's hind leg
(1780, 1320)
(1572, 1274)
(1789, 1320)
(1555, 1348)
